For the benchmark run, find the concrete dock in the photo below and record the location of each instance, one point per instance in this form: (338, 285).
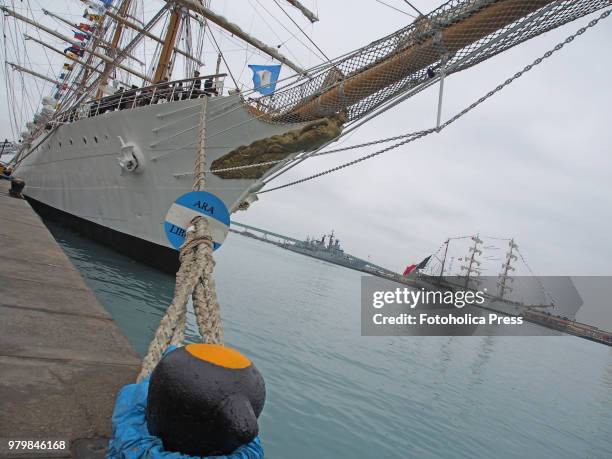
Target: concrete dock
(62, 358)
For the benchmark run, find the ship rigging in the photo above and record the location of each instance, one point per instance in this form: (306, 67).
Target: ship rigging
(135, 113)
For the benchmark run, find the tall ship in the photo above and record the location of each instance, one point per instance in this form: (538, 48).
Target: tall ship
(112, 146)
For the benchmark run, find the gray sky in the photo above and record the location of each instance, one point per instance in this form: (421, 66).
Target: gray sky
(532, 163)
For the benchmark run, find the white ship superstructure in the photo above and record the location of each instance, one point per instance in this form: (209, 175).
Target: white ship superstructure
(78, 170)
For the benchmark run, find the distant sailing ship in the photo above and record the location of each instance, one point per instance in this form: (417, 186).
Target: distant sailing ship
(112, 155)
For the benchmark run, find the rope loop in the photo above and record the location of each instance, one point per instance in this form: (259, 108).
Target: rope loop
(194, 279)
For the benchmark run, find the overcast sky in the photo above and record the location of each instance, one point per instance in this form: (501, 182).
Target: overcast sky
(533, 163)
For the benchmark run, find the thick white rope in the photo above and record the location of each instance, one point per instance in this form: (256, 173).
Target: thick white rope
(194, 278)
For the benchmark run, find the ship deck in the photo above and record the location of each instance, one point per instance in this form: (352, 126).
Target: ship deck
(62, 357)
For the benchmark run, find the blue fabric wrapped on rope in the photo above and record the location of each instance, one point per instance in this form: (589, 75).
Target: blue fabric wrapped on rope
(131, 438)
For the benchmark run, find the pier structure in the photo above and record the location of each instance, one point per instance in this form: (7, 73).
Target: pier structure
(296, 245)
(260, 233)
(62, 357)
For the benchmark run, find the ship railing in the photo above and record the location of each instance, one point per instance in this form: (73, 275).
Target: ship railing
(163, 92)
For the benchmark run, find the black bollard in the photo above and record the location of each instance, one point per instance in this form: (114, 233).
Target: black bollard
(204, 400)
(17, 186)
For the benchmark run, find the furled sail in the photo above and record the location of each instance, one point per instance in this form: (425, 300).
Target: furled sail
(453, 37)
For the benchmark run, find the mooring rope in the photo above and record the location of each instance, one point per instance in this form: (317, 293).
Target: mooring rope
(194, 278)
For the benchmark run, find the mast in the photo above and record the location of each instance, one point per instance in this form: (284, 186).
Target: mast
(59, 18)
(507, 267)
(59, 51)
(97, 39)
(218, 68)
(197, 7)
(474, 250)
(73, 42)
(19, 68)
(165, 57)
(123, 53)
(443, 261)
(305, 11)
(122, 12)
(148, 34)
(101, 42)
(127, 15)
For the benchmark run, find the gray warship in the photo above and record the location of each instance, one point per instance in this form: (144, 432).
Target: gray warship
(328, 248)
(330, 251)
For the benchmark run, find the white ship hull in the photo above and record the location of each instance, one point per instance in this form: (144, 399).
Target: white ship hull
(76, 169)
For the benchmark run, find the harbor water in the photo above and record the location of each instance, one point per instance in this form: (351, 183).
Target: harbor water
(332, 393)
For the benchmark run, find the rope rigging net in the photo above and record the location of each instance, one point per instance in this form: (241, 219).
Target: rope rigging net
(407, 138)
(455, 36)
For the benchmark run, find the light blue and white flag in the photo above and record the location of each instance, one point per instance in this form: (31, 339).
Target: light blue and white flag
(196, 204)
(265, 78)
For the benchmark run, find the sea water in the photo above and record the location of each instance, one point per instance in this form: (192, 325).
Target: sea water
(332, 393)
